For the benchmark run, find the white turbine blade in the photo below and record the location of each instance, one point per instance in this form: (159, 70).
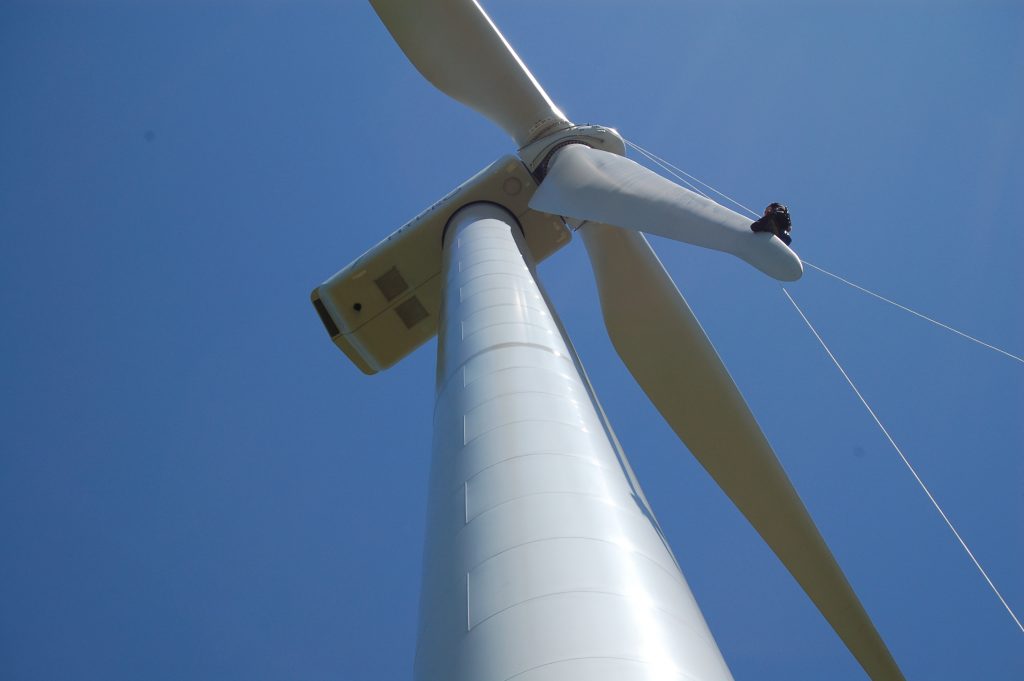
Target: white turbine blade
(457, 47)
(670, 356)
(590, 184)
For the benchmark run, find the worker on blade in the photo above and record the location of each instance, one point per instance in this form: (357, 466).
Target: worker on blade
(777, 221)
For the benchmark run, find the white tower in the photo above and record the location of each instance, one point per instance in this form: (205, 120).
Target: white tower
(543, 559)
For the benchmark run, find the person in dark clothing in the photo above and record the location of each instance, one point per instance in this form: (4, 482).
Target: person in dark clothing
(777, 221)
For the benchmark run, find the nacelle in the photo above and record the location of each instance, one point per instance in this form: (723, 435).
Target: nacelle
(386, 303)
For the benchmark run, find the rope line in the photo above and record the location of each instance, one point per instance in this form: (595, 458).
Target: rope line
(664, 166)
(915, 313)
(671, 167)
(906, 462)
(678, 173)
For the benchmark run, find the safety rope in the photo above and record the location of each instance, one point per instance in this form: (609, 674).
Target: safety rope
(667, 167)
(915, 313)
(906, 461)
(682, 175)
(674, 169)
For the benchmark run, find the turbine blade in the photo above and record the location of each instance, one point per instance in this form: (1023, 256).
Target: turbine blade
(590, 184)
(670, 356)
(456, 46)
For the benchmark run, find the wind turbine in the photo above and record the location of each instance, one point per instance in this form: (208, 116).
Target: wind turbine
(543, 558)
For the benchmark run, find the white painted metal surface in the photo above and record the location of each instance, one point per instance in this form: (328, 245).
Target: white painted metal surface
(543, 561)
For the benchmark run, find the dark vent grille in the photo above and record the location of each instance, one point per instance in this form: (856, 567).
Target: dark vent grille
(391, 284)
(411, 312)
(325, 317)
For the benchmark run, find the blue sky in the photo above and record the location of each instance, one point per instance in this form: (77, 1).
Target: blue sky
(196, 484)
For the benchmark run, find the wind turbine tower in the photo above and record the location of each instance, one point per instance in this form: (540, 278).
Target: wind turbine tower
(543, 559)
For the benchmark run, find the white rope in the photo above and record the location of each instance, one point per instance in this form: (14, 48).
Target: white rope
(670, 167)
(906, 462)
(678, 173)
(915, 313)
(664, 166)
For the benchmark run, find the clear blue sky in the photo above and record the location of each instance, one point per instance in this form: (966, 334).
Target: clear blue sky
(194, 483)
